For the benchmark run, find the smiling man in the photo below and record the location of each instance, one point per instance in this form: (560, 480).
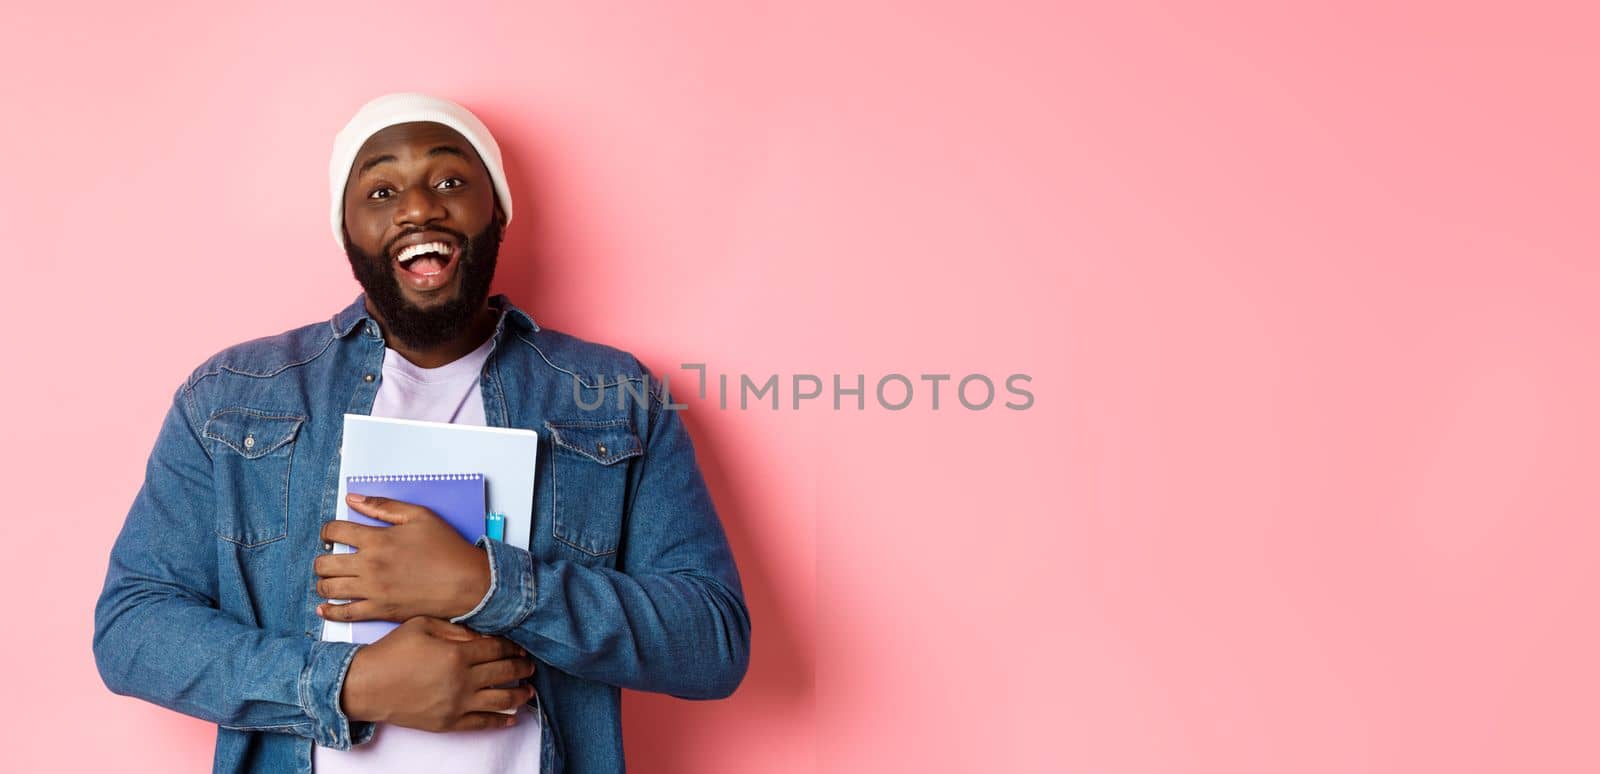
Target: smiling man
(219, 582)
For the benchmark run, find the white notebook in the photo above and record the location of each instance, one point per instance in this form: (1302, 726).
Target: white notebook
(375, 446)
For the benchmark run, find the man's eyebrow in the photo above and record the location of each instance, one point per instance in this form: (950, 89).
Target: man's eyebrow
(437, 150)
(374, 161)
(440, 150)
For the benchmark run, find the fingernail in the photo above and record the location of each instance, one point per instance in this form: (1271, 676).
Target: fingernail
(356, 498)
(322, 610)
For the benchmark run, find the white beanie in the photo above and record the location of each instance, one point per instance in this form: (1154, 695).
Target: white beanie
(403, 108)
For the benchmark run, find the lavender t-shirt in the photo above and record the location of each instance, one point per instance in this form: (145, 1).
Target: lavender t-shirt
(449, 393)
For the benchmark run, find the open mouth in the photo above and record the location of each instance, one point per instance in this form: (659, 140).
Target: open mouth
(427, 265)
(426, 259)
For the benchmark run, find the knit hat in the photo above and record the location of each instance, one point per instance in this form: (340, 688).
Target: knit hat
(402, 108)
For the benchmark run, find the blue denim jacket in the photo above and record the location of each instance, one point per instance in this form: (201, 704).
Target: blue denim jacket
(209, 603)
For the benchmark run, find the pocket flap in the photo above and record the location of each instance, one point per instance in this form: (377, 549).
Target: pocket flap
(252, 433)
(603, 442)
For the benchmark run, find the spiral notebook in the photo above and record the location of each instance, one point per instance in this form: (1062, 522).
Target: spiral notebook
(458, 498)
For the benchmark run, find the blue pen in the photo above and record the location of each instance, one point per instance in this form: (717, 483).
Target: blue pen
(494, 525)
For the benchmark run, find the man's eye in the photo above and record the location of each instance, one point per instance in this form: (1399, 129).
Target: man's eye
(450, 182)
(381, 193)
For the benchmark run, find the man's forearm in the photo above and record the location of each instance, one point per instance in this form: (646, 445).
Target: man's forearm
(159, 644)
(681, 633)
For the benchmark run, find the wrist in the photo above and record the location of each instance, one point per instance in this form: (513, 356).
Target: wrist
(355, 697)
(474, 586)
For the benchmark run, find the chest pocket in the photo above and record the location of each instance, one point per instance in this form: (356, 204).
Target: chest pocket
(252, 458)
(589, 482)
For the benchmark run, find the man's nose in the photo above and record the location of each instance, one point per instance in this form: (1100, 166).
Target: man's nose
(418, 206)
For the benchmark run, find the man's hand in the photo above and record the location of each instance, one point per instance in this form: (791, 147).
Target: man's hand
(436, 676)
(418, 566)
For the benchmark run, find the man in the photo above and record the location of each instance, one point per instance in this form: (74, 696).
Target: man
(219, 582)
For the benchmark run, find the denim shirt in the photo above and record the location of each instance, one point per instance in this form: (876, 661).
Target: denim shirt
(209, 604)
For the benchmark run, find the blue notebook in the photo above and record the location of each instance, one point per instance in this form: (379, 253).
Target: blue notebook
(457, 497)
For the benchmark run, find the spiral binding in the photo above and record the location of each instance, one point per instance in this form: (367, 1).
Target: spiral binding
(415, 477)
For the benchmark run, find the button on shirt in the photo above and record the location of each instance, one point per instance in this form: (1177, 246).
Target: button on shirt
(450, 393)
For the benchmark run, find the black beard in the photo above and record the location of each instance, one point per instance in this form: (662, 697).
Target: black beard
(426, 328)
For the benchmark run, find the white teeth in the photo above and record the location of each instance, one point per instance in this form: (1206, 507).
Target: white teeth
(426, 247)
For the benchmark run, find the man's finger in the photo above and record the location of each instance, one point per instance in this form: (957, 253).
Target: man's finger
(341, 588)
(492, 699)
(347, 532)
(495, 673)
(439, 627)
(383, 508)
(336, 565)
(359, 610)
(477, 721)
(486, 649)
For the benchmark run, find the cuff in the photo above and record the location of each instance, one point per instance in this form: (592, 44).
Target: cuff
(321, 684)
(511, 594)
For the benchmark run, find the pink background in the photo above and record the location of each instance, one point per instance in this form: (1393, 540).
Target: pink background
(1308, 297)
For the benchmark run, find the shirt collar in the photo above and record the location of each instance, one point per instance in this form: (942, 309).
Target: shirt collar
(356, 314)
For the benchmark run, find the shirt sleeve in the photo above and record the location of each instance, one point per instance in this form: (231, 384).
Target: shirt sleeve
(512, 569)
(158, 632)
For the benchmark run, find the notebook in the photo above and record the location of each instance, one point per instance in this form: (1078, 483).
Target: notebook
(458, 498)
(383, 446)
